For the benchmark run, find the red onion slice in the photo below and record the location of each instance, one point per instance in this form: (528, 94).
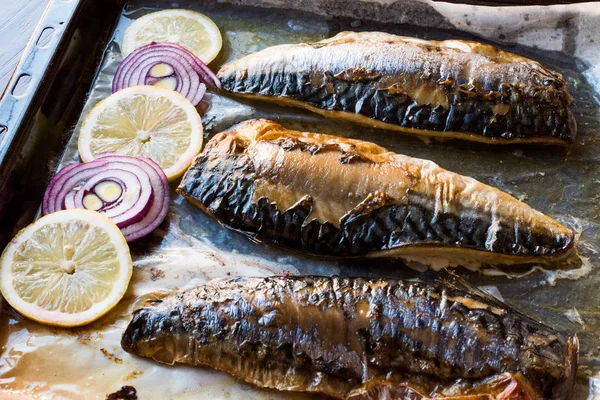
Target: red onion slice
(181, 70)
(133, 192)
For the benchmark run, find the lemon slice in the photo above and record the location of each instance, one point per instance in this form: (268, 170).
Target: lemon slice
(192, 30)
(66, 269)
(144, 121)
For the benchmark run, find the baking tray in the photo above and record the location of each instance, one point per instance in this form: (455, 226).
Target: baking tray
(68, 67)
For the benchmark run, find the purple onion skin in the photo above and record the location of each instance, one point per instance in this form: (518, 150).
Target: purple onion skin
(189, 71)
(46, 207)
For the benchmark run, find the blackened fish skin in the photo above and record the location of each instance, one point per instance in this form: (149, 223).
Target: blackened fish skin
(449, 89)
(355, 338)
(340, 197)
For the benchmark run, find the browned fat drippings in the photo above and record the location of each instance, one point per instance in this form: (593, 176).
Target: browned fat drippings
(333, 326)
(133, 374)
(164, 356)
(422, 92)
(542, 340)
(347, 171)
(396, 88)
(156, 274)
(395, 386)
(358, 74)
(476, 305)
(335, 187)
(111, 356)
(500, 109)
(433, 96)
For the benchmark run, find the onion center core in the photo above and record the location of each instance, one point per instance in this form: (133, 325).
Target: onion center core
(108, 191)
(103, 194)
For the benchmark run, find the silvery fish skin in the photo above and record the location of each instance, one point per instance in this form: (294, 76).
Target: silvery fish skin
(448, 89)
(340, 197)
(359, 339)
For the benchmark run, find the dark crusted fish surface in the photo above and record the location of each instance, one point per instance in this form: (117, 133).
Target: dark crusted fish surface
(354, 338)
(449, 89)
(347, 198)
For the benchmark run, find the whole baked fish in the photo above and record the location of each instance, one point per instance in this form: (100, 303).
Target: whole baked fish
(341, 197)
(354, 338)
(449, 89)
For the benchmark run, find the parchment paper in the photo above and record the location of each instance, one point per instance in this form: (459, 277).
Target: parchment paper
(191, 248)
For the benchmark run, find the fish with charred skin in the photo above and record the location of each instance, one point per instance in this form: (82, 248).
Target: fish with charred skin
(447, 89)
(341, 197)
(359, 339)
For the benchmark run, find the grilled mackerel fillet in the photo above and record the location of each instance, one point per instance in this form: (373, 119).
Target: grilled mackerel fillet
(449, 89)
(341, 197)
(356, 338)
